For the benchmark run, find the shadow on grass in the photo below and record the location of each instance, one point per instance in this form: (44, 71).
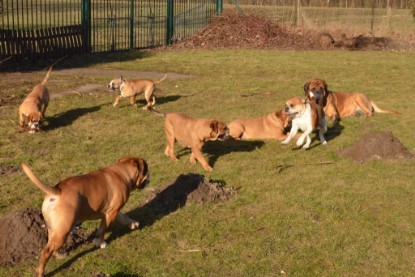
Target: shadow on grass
(160, 100)
(215, 149)
(169, 199)
(74, 61)
(67, 118)
(70, 261)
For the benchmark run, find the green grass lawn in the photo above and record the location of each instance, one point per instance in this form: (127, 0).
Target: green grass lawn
(296, 212)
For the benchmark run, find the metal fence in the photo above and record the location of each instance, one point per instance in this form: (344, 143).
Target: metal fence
(30, 29)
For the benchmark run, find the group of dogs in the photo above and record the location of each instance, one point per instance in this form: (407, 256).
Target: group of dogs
(103, 193)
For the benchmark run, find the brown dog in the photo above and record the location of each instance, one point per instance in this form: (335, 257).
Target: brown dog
(34, 105)
(133, 87)
(97, 195)
(269, 126)
(340, 104)
(192, 133)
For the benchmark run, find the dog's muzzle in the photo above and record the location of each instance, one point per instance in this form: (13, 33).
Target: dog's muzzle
(33, 125)
(225, 134)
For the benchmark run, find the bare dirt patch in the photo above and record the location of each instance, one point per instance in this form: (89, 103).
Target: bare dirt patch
(190, 187)
(377, 146)
(9, 169)
(23, 234)
(237, 30)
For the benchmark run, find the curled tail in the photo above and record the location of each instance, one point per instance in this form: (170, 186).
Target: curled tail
(161, 80)
(156, 112)
(379, 110)
(50, 71)
(45, 188)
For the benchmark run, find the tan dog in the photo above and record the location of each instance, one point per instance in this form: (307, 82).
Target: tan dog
(97, 195)
(269, 126)
(192, 133)
(133, 87)
(340, 104)
(307, 116)
(34, 105)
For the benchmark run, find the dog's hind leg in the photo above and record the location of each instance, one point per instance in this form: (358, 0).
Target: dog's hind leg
(105, 222)
(56, 240)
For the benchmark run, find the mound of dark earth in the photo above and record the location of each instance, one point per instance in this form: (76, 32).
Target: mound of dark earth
(23, 234)
(189, 187)
(377, 146)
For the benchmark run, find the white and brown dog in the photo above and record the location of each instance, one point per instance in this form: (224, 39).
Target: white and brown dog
(306, 116)
(97, 195)
(340, 104)
(133, 87)
(33, 108)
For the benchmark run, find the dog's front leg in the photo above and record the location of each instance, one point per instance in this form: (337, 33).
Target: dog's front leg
(105, 222)
(305, 135)
(125, 220)
(198, 155)
(117, 99)
(293, 132)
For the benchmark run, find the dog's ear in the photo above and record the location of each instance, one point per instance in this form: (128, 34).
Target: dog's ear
(306, 86)
(214, 126)
(122, 79)
(326, 88)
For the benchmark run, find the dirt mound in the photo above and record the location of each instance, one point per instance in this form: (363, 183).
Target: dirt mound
(236, 30)
(190, 187)
(377, 146)
(23, 234)
(247, 31)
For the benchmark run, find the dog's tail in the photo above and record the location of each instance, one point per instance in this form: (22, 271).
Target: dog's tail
(156, 112)
(44, 82)
(379, 110)
(45, 188)
(161, 80)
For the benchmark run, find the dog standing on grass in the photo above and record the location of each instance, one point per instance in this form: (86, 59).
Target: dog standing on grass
(97, 195)
(307, 116)
(133, 87)
(34, 105)
(192, 133)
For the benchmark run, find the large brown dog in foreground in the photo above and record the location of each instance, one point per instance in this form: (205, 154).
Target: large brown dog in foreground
(35, 104)
(133, 87)
(270, 126)
(340, 104)
(97, 195)
(192, 133)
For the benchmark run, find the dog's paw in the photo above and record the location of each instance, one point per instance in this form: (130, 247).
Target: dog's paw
(145, 108)
(134, 225)
(305, 146)
(100, 243)
(324, 142)
(284, 142)
(209, 169)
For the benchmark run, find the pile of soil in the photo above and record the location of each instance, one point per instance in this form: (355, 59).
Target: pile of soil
(247, 31)
(377, 146)
(189, 187)
(23, 234)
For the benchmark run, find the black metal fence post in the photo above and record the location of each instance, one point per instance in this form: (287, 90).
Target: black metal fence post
(219, 6)
(132, 24)
(86, 23)
(169, 21)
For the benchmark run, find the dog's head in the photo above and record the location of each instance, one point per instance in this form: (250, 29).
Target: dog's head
(33, 121)
(115, 84)
(316, 90)
(218, 130)
(140, 170)
(294, 107)
(282, 116)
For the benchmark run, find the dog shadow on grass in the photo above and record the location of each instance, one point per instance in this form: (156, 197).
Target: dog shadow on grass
(160, 99)
(68, 117)
(159, 203)
(216, 149)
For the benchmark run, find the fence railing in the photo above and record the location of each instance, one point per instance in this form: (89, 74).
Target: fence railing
(51, 28)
